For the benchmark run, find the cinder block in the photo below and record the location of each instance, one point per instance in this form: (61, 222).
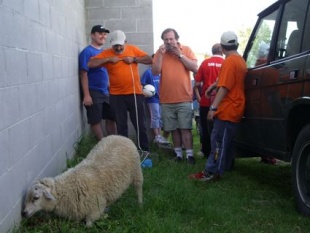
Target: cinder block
(2, 68)
(119, 3)
(32, 9)
(93, 3)
(6, 159)
(16, 74)
(44, 13)
(34, 67)
(145, 26)
(28, 101)
(100, 14)
(139, 13)
(19, 134)
(9, 105)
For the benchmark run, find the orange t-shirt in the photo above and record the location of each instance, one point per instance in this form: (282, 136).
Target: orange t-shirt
(231, 76)
(175, 82)
(124, 78)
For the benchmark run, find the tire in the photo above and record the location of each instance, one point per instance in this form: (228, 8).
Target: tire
(301, 171)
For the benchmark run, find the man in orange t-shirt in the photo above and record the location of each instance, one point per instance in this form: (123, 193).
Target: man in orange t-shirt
(226, 110)
(121, 62)
(175, 62)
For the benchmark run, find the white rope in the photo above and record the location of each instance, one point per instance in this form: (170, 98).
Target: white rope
(137, 118)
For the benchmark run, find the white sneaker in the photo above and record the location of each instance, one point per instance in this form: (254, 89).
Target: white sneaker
(160, 139)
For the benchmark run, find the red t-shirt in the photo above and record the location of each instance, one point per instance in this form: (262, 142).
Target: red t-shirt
(207, 74)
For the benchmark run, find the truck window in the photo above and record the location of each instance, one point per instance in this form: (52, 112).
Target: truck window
(260, 45)
(290, 33)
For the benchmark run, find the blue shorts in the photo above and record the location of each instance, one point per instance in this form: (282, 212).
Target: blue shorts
(155, 113)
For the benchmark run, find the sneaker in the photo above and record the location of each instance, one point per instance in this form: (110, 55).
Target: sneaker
(160, 139)
(191, 160)
(204, 176)
(200, 154)
(178, 159)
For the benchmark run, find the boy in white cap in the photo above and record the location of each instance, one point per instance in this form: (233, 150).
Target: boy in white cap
(226, 110)
(121, 62)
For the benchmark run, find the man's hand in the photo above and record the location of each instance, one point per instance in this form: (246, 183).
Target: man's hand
(210, 115)
(162, 49)
(87, 100)
(114, 59)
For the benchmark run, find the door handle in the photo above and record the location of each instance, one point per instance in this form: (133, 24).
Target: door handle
(293, 74)
(254, 81)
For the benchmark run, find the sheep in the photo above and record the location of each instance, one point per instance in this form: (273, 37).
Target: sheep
(83, 192)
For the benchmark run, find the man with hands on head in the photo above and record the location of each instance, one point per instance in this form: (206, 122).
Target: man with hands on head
(175, 62)
(121, 62)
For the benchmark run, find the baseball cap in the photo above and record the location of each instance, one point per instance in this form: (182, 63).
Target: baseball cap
(118, 37)
(229, 38)
(99, 28)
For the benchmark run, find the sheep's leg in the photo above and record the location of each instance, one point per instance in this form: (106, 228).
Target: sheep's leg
(138, 183)
(96, 212)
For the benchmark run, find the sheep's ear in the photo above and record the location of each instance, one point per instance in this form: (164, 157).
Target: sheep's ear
(48, 182)
(48, 195)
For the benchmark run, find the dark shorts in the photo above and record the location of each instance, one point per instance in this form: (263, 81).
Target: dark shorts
(100, 109)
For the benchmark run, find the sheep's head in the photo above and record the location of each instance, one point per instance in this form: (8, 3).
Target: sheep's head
(38, 198)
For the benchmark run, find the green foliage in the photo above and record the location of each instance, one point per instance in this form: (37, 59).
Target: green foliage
(244, 36)
(82, 147)
(254, 197)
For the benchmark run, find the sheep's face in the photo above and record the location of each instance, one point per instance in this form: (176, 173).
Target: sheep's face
(38, 198)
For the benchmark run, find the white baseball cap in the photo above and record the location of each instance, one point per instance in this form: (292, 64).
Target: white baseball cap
(118, 37)
(229, 38)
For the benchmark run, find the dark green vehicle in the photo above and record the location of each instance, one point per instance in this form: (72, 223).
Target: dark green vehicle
(276, 122)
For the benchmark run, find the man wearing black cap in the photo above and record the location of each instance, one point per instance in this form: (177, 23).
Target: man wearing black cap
(95, 85)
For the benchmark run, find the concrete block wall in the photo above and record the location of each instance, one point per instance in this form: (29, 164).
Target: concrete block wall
(41, 114)
(134, 17)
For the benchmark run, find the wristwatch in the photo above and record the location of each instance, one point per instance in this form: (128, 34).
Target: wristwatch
(212, 108)
(135, 60)
(181, 55)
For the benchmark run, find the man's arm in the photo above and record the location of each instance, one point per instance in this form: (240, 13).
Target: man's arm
(144, 60)
(191, 65)
(157, 64)
(87, 100)
(196, 90)
(158, 61)
(221, 93)
(97, 62)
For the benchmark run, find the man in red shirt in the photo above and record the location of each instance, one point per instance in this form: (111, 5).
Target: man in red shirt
(205, 77)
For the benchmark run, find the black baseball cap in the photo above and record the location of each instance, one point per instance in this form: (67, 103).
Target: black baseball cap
(99, 28)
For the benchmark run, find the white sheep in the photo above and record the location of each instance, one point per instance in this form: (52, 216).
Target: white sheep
(83, 192)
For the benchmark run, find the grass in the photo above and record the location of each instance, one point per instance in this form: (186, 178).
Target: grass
(254, 197)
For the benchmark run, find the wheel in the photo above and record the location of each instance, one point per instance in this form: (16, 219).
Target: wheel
(301, 171)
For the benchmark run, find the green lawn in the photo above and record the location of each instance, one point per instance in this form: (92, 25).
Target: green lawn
(254, 197)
